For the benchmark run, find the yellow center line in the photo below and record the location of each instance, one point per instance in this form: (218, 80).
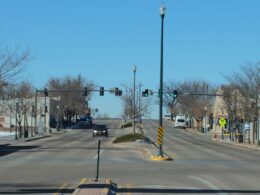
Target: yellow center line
(63, 186)
(82, 181)
(108, 181)
(128, 186)
(105, 190)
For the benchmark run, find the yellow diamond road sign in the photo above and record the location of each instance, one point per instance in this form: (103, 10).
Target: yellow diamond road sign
(160, 135)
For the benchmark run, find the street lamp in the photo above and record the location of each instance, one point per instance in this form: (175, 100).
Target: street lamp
(258, 126)
(205, 124)
(57, 118)
(16, 112)
(139, 109)
(134, 97)
(162, 13)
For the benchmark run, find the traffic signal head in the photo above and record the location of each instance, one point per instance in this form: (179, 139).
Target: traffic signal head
(85, 93)
(46, 92)
(145, 93)
(46, 109)
(101, 91)
(120, 93)
(175, 93)
(32, 109)
(116, 91)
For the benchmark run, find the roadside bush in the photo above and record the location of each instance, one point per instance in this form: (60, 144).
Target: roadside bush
(129, 124)
(129, 138)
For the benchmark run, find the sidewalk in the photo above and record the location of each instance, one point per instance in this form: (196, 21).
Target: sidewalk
(10, 140)
(245, 145)
(225, 141)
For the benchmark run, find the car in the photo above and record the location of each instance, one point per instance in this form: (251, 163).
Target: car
(100, 130)
(85, 122)
(180, 121)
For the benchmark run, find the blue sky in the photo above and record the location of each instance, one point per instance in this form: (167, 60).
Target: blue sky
(102, 40)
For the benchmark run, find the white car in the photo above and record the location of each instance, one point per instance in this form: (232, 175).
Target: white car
(180, 121)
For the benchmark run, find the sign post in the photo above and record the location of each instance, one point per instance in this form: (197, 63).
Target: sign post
(98, 161)
(222, 123)
(160, 140)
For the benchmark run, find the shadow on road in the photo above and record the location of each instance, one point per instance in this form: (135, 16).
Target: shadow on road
(31, 188)
(184, 191)
(8, 149)
(38, 191)
(128, 190)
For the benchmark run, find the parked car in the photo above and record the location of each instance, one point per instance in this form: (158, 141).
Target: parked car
(100, 130)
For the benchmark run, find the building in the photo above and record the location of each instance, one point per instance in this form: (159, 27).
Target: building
(22, 111)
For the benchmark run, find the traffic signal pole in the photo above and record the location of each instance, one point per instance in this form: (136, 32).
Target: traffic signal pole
(85, 91)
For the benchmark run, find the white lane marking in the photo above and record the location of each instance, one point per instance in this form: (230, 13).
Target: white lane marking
(217, 152)
(209, 184)
(100, 152)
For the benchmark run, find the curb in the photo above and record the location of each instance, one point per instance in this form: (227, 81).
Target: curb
(86, 186)
(36, 138)
(255, 147)
(161, 158)
(146, 153)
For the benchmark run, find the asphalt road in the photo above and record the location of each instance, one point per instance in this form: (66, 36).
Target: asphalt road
(202, 164)
(59, 163)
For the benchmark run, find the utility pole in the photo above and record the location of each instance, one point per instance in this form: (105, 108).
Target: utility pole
(134, 97)
(139, 112)
(44, 113)
(35, 113)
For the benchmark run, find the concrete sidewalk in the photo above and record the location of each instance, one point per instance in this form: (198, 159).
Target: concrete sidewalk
(245, 145)
(225, 141)
(149, 150)
(10, 140)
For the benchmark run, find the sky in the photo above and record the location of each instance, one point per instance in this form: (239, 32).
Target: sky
(103, 39)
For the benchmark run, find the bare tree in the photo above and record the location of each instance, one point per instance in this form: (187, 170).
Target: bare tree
(247, 82)
(72, 100)
(190, 105)
(12, 63)
(18, 102)
(170, 101)
(128, 104)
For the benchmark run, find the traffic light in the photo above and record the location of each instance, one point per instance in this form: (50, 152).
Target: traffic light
(120, 93)
(46, 109)
(145, 93)
(101, 91)
(85, 93)
(32, 109)
(46, 92)
(175, 93)
(116, 91)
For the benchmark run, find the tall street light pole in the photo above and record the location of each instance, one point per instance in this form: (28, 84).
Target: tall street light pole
(162, 13)
(134, 98)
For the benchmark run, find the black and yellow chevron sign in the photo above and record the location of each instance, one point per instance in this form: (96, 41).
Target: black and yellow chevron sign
(160, 135)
